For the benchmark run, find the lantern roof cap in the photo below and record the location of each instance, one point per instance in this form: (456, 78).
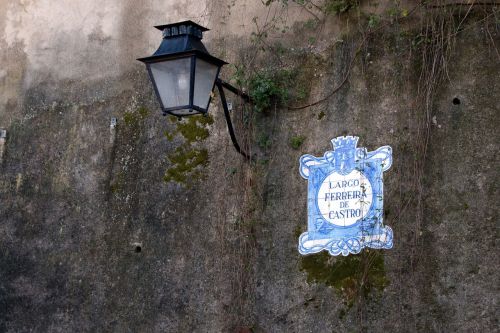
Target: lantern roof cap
(181, 39)
(177, 24)
(182, 28)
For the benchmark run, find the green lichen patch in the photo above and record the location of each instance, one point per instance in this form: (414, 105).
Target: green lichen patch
(351, 276)
(186, 161)
(132, 118)
(297, 141)
(186, 165)
(126, 154)
(192, 129)
(339, 6)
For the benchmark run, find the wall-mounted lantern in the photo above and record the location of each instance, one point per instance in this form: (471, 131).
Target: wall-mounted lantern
(184, 74)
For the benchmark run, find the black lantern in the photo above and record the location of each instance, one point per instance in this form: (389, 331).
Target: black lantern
(184, 74)
(182, 71)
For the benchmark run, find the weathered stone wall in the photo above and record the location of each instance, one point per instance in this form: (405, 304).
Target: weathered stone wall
(93, 238)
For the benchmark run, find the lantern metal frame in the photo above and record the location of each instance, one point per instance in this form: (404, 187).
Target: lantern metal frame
(182, 40)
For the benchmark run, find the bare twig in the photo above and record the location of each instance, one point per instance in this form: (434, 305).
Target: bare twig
(465, 17)
(491, 38)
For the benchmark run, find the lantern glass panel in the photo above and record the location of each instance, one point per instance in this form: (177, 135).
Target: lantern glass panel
(172, 79)
(205, 76)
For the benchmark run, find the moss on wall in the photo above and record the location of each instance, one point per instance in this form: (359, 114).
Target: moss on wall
(192, 129)
(186, 165)
(133, 118)
(187, 162)
(351, 276)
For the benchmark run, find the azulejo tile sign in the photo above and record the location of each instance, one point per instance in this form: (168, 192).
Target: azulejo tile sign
(345, 199)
